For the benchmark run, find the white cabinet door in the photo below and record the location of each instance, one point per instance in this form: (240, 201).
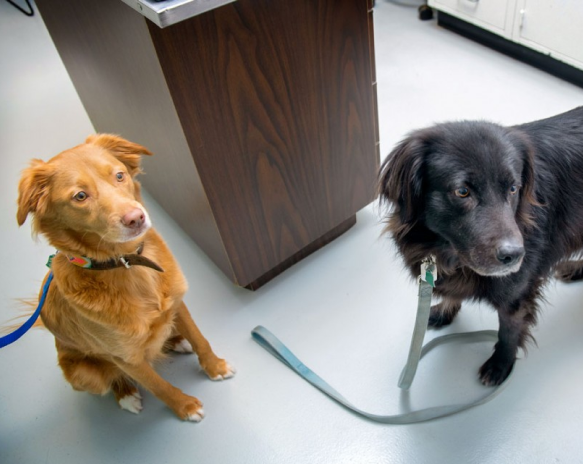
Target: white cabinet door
(494, 15)
(552, 26)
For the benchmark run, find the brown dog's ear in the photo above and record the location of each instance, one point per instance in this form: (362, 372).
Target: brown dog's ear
(127, 152)
(33, 189)
(401, 177)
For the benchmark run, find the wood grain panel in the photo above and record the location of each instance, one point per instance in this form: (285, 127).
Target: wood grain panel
(261, 114)
(303, 253)
(276, 102)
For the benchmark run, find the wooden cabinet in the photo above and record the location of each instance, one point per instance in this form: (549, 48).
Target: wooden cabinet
(551, 27)
(261, 115)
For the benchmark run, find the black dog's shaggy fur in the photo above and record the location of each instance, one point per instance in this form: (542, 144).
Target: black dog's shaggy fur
(499, 207)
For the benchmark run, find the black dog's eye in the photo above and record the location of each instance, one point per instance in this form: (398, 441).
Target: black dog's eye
(462, 192)
(80, 196)
(513, 190)
(120, 176)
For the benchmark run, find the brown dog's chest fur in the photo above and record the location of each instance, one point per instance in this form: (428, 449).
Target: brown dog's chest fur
(126, 313)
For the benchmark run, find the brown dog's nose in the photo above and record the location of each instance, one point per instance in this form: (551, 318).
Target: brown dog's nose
(133, 219)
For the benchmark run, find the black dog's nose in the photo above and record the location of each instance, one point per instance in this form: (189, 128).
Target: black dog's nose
(508, 253)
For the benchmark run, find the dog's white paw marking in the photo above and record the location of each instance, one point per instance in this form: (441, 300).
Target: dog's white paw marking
(197, 416)
(231, 371)
(183, 347)
(132, 402)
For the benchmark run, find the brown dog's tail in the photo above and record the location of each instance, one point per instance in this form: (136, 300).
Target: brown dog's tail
(27, 307)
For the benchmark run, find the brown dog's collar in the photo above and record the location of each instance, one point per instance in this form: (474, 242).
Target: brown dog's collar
(133, 259)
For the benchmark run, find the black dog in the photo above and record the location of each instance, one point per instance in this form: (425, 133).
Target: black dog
(499, 207)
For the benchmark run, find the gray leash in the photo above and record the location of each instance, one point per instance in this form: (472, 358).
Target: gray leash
(416, 352)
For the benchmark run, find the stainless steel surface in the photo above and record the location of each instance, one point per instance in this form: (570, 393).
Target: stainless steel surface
(168, 12)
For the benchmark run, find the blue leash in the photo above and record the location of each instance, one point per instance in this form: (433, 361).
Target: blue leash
(12, 337)
(416, 351)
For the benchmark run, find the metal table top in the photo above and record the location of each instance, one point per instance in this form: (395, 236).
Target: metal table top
(168, 12)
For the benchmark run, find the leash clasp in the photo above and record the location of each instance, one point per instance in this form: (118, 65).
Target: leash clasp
(428, 271)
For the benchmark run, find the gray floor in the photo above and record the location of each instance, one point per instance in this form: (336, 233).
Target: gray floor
(347, 310)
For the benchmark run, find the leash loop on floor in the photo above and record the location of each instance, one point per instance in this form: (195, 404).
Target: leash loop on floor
(416, 352)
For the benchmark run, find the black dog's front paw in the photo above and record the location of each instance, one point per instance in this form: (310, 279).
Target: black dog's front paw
(442, 314)
(438, 319)
(495, 371)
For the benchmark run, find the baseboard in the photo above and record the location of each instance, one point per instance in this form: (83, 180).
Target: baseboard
(520, 52)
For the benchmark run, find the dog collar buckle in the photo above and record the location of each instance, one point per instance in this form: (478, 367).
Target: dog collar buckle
(125, 262)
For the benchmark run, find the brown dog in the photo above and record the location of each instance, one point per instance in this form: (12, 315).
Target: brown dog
(111, 322)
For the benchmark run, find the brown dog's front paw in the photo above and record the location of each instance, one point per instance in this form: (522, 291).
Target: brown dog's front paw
(223, 370)
(494, 371)
(219, 369)
(189, 409)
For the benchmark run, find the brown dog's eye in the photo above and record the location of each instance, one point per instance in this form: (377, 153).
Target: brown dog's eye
(80, 196)
(462, 192)
(119, 176)
(513, 190)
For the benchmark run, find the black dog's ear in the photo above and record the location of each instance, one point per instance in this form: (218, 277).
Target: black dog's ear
(401, 177)
(528, 192)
